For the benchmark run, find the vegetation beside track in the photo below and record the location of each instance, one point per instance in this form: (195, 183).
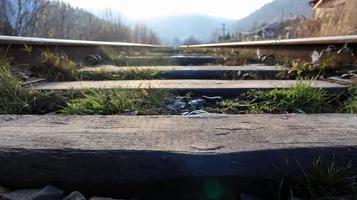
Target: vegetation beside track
(19, 99)
(131, 74)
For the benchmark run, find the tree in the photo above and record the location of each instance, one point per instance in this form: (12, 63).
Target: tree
(21, 15)
(54, 19)
(191, 41)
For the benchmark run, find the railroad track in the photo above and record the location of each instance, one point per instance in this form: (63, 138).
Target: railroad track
(13, 40)
(337, 40)
(281, 49)
(80, 151)
(302, 48)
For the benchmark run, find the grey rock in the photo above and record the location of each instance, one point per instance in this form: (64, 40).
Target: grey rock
(93, 59)
(75, 196)
(347, 76)
(177, 106)
(196, 112)
(353, 71)
(345, 50)
(23, 76)
(268, 59)
(20, 195)
(48, 193)
(197, 103)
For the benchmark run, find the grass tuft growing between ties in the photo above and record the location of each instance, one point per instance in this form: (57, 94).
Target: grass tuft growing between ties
(17, 99)
(301, 98)
(323, 181)
(134, 73)
(350, 105)
(118, 101)
(134, 58)
(55, 67)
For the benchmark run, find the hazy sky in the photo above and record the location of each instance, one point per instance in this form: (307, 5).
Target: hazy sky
(146, 9)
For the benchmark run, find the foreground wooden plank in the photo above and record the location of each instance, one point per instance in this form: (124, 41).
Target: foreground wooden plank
(224, 87)
(120, 149)
(233, 133)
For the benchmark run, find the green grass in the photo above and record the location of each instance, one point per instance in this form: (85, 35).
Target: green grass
(323, 180)
(301, 98)
(131, 74)
(16, 99)
(240, 60)
(118, 101)
(134, 58)
(13, 97)
(55, 67)
(350, 105)
(309, 70)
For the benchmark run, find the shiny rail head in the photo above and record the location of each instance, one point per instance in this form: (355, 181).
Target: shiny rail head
(14, 40)
(350, 39)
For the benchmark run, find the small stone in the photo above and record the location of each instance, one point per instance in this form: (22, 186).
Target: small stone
(347, 76)
(93, 59)
(197, 103)
(75, 196)
(11, 118)
(353, 71)
(212, 99)
(268, 59)
(345, 50)
(19, 195)
(48, 193)
(196, 112)
(23, 76)
(177, 106)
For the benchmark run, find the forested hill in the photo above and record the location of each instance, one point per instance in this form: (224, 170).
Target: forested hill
(53, 19)
(277, 10)
(176, 29)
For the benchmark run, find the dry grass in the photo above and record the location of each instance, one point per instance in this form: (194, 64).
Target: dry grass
(55, 67)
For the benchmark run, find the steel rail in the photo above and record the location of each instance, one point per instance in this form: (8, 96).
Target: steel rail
(14, 40)
(350, 39)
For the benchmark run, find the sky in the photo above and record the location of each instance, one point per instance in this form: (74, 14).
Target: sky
(149, 9)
